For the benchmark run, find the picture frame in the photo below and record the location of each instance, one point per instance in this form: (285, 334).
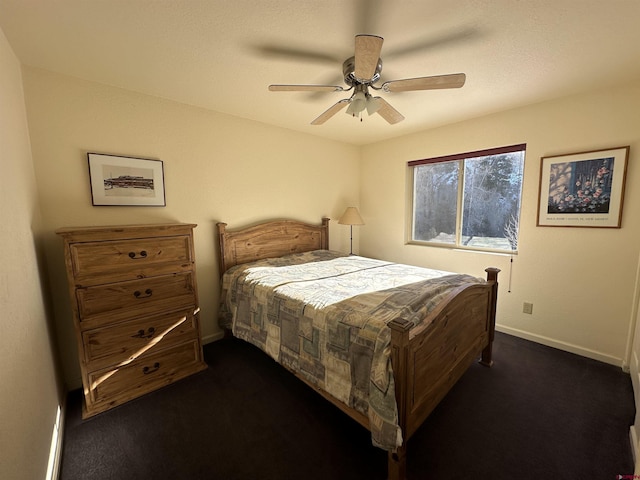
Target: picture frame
(584, 189)
(126, 181)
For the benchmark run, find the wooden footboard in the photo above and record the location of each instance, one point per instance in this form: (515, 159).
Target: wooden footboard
(429, 359)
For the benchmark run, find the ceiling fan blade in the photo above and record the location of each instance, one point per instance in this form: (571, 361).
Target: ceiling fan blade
(332, 80)
(455, 80)
(389, 113)
(305, 88)
(327, 114)
(367, 54)
(297, 54)
(430, 42)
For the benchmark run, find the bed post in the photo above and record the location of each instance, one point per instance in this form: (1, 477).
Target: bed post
(221, 261)
(325, 233)
(397, 461)
(492, 279)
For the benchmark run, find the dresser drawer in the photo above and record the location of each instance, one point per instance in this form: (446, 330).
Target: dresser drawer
(128, 259)
(120, 384)
(128, 340)
(103, 304)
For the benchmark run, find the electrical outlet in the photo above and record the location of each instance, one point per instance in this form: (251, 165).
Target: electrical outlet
(527, 308)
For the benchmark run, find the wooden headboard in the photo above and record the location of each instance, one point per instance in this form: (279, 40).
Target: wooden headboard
(269, 239)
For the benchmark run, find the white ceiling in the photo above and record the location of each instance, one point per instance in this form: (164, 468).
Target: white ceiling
(222, 54)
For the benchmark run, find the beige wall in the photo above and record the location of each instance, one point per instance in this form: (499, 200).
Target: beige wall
(581, 281)
(29, 396)
(217, 168)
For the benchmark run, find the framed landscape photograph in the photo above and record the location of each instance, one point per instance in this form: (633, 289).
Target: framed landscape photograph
(126, 181)
(583, 189)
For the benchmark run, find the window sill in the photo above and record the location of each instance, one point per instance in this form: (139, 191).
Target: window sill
(466, 249)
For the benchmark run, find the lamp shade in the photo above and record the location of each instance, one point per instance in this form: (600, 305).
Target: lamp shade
(351, 216)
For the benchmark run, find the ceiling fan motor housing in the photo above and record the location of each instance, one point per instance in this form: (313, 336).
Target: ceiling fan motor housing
(348, 70)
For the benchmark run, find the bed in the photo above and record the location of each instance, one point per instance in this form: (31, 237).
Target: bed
(402, 338)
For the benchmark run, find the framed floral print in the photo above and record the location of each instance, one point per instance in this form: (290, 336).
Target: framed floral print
(583, 189)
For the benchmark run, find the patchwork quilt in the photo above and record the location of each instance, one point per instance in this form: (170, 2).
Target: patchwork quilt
(324, 315)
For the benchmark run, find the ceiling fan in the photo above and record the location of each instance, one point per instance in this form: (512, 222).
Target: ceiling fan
(361, 73)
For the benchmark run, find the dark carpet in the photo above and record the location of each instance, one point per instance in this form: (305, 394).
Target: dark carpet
(538, 413)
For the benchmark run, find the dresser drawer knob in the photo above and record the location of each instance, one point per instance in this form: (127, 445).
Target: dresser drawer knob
(148, 292)
(134, 256)
(142, 334)
(148, 370)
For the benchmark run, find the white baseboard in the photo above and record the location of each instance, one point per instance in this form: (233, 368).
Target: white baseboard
(633, 438)
(568, 347)
(57, 436)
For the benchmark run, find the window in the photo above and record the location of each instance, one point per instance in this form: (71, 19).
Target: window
(469, 200)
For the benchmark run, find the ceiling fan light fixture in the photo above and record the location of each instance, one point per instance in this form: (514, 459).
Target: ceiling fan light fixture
(373, 105)
(358, 103)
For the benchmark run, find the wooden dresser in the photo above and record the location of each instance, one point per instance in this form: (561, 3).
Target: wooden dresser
(135, 308)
